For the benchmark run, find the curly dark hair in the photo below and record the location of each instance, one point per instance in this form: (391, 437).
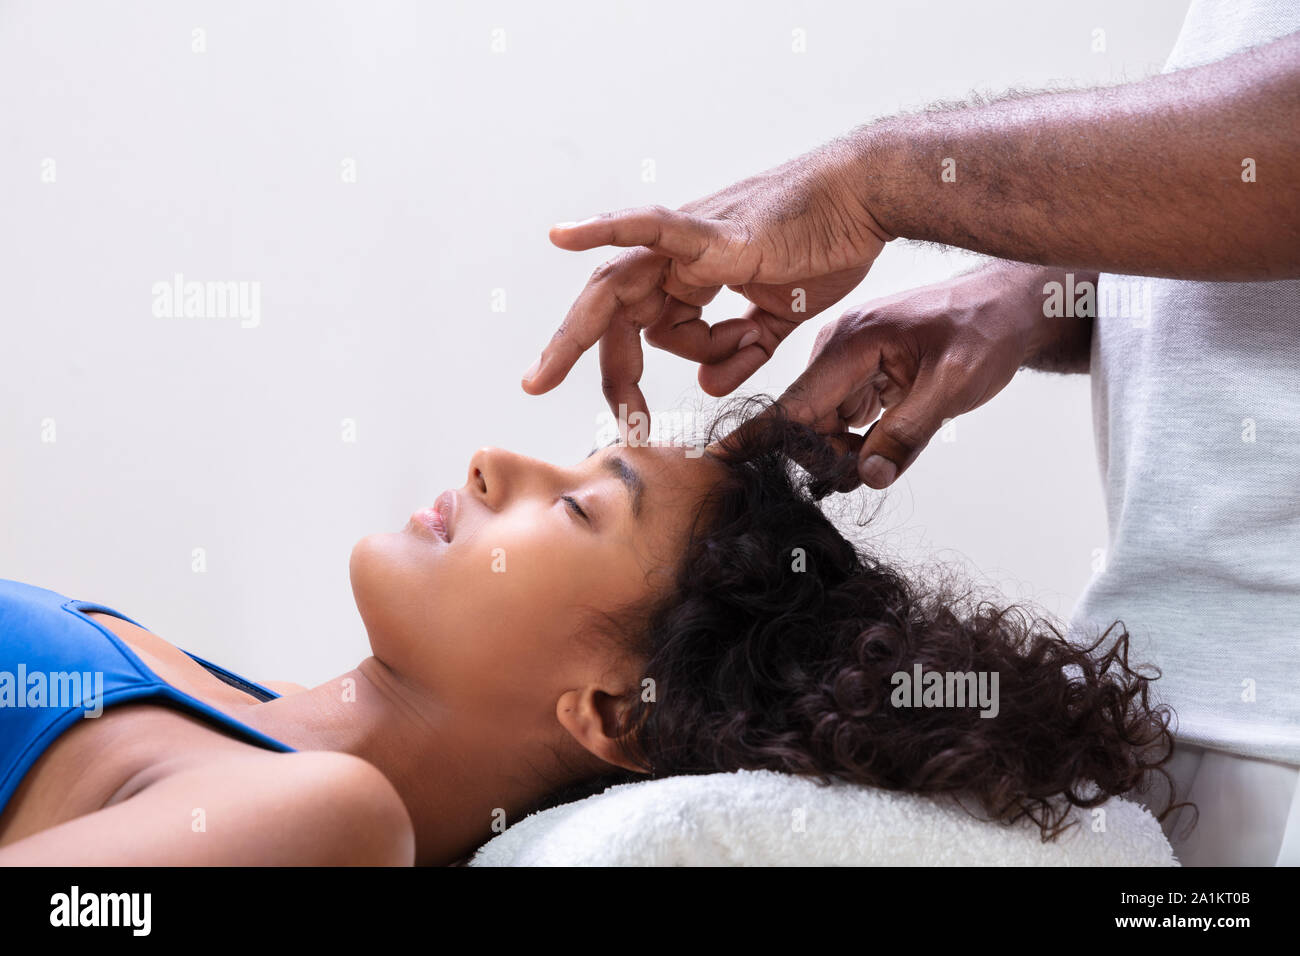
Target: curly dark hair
(768, 657)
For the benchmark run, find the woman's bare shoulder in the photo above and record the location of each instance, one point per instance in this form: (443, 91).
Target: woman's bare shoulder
(306, 808)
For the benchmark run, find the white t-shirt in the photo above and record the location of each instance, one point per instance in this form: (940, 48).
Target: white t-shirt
(1196, 408)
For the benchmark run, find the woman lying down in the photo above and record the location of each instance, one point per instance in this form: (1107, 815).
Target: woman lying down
(544, 632)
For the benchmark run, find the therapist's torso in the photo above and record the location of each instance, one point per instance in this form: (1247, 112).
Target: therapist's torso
(1196, 408)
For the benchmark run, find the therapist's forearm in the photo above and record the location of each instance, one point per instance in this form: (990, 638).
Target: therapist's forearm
(1144, 178)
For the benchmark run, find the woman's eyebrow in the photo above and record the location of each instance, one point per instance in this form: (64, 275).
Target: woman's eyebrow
(631, 480)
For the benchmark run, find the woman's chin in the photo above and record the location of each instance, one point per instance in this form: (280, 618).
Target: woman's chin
(373, 570)
(392, 575)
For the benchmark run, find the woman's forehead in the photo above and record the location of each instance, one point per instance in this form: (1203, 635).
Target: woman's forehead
(659, 467)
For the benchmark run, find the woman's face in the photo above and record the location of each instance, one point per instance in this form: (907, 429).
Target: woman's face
(486, 599)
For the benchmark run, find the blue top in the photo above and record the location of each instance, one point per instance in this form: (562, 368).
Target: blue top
(58, 666)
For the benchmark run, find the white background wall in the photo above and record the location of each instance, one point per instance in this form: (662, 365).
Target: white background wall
(173, 434)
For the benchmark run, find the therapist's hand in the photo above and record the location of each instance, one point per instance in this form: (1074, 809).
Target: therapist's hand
(927, 355)
(793, 240)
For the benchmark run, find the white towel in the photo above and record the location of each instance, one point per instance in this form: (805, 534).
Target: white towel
(762, 818)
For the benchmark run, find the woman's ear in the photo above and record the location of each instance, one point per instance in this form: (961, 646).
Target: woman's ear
(591, 716)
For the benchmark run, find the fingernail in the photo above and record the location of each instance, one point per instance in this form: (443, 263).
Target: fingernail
(532, 370)
(564, 225)
(877, 472)
(748, 339)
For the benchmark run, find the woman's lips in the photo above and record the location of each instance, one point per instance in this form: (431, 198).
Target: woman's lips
(437, 520)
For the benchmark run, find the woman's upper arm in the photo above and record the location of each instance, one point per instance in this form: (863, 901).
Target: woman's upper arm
(315, 808)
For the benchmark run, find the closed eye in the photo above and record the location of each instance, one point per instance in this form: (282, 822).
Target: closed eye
(576, 508)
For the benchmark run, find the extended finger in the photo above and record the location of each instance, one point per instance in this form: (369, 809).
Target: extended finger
(668, 232)
(621, 365)
(615, 287)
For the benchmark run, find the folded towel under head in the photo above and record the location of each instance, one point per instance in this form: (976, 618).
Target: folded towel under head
(762, 818)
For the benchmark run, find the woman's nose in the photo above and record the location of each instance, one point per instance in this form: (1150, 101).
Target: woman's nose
(496, 474)
(486, 476)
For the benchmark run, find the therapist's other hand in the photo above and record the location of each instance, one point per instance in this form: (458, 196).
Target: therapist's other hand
(793, 240)
(923, 356)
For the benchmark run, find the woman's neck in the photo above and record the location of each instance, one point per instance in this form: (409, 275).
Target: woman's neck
(452, 770)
